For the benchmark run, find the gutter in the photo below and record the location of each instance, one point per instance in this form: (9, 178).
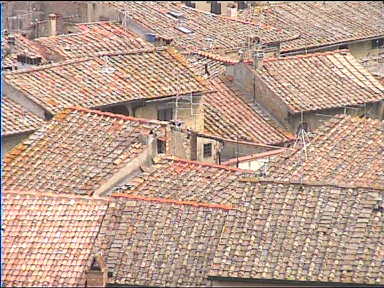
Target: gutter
(290, 283)
(317, 48)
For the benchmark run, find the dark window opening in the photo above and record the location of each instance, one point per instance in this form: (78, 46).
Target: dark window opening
(378, 43)
(207, 150)
(117, 110)
(160, 146)
(165, 114)
(206, 69)
(48, 116)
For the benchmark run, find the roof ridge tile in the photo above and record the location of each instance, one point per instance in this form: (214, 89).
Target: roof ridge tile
(171, 201)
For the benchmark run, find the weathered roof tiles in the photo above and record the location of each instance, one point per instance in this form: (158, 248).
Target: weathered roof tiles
(321, 23)
(345, 150)
(296, 232)
(93, 38)
(77, 152)
(16, 119)
(48, 238)
(108, 78)
(320, 81)
(160, 243)
(228, 116)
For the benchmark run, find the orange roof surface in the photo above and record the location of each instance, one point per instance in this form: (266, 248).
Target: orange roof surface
(320, 81)
(193, 29)
(108, 78)
(345, 150)
(295, 232)
(16, 119)
(160, 243)
(321, 23)
(94, 38)
(76, 152)
(48, 238)
(228, 116)
(177, 179)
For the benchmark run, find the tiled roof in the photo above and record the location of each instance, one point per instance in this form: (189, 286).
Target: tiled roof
(178, 179)
(304, 233)
(76, 152)
(227, 115)
(321, 23)
(199, 26)
(344, 150)
(156, 242)
(94, 38)
(16, 119)
(88, 82)
(22, 46)
(214, 63)
(47, 239)
(320, 81)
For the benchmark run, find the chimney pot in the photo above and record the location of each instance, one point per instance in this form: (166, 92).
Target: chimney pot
(231, 10)
(52, 18)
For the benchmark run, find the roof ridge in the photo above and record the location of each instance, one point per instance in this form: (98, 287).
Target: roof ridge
(171, 201)
(118, 116)
(309, 183)
(216, 57)
(179, 57)
(86, 58)
(309, 55)
(174, 158)
(55, 195)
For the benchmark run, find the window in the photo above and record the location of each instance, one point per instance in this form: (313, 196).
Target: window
(207, 150)
(160, 146)
(165, 114)
(378, 43)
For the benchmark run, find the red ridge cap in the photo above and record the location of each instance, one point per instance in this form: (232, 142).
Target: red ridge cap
(206, 164)
(118, 116)
(171, 201)
(55, 195)
(87, 58)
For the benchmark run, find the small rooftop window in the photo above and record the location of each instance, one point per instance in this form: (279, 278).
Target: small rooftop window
(175, 14)
(184, 30)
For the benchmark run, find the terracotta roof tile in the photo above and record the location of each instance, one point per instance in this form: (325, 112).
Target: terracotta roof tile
(47, 239)
(321, 23)
(76, 152)
(177, 179)
(159, 243)
(16, 119)
(227, 115)
(304, 233)
(226, 33)
(320, 81)
(94, 38)
(88, 82)
(344, 150)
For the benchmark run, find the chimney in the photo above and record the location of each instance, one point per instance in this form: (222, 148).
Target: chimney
(52, 22)
(231, 10)
(193, 143)
(97, 275)
(258, 56)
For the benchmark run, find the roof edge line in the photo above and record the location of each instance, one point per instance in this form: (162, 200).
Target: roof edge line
(171, 201)
(308, 183)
